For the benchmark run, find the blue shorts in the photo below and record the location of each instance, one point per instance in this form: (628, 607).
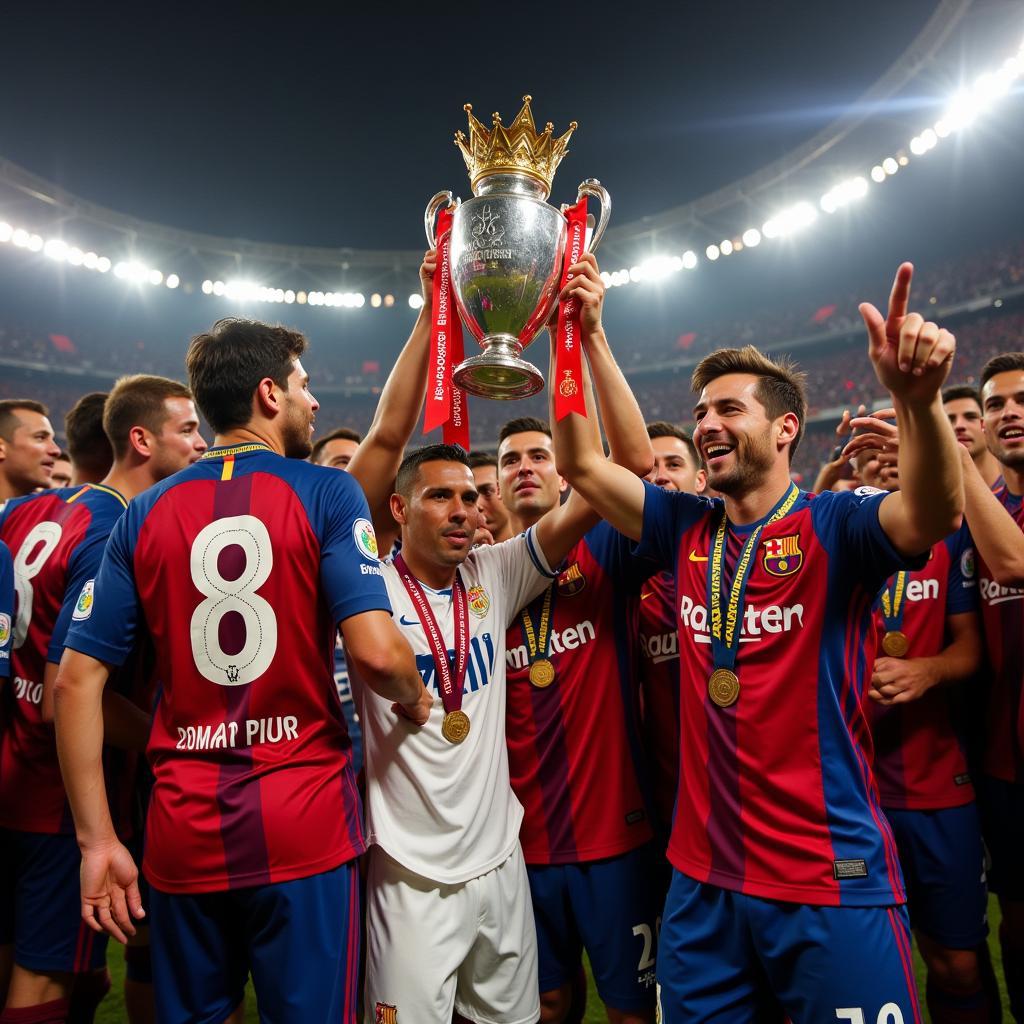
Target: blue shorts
(943, 863)
(300, 940)
(608, 907)
(733, 959)
(1002, 824)
(41, 905)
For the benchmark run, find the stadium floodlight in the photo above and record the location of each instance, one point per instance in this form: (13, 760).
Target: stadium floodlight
(218, 288)
(657, 268)
(415, 300)
(751, 237)
(75, 256)
(375, 300)
(917, 147)
(56, 249)
(103, 264)
(889, 165)
(90, 261)
(172, 281)
(942, 129)
(929, 138)
(300, 298)
(207, 287)
(389, 301)
(35, 243)
(689, 259)
(289, 296)
(19, 236)
(712, 252)
(155, 277)
(5, 231)
(726, 247)
(878, 173)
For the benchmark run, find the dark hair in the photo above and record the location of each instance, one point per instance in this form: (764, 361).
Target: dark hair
(138, 401)
(340, 434)
(781, 387)
(226, 364)
(662, 428)
(63, 457)
(478, 459)
(410, 467)
(961, 391)
(522, 425)
(9, 422)
(88, 445)
(1001, 364)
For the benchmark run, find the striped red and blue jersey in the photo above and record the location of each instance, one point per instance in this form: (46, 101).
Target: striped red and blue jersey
(56, 538)
(6, 612)
(779, 800)
(576, 757)
(659, 689)
(1002, 615)
(920, 755)
(240, 568)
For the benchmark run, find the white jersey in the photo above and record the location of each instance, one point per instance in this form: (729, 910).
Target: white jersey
(446, 811)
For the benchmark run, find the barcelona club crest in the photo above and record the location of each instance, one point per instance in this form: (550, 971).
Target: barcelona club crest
(782, 555)
(572, 581)
(385, 1013)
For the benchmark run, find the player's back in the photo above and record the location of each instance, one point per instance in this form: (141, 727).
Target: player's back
(241, 566)
(56, 538)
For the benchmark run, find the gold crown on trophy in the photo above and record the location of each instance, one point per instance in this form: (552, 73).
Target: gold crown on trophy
(516, 149)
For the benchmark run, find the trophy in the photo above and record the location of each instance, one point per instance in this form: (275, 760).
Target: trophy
(508, 247)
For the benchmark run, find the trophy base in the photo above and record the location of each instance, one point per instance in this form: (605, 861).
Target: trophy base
(499, 372)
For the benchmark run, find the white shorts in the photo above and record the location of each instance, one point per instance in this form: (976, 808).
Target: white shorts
(431, 947)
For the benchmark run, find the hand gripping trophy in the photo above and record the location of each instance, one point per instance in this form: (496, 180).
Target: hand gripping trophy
(507, 247)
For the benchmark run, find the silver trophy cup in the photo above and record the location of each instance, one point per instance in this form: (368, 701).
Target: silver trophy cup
(507, 251)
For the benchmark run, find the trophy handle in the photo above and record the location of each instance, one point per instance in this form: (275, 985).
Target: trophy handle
(435, 204)
(592, 187)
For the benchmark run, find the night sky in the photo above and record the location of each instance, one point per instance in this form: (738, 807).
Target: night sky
(335, 129)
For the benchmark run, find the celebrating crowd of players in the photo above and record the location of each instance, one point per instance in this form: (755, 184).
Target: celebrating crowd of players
(709, 728)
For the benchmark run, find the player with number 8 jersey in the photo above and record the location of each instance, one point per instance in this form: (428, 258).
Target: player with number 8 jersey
(241, 569)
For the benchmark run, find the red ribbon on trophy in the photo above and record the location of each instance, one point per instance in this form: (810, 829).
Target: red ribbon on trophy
(568, 369)
(446, 404)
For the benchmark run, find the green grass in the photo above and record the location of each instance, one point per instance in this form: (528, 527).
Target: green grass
(112, 1009)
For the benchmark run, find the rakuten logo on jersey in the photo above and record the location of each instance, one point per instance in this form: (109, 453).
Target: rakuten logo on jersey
(773, 618)
(569, 639)
(993, 593)
(660, 647)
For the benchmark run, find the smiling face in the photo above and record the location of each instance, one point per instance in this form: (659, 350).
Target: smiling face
(674, 468)
(737, 441)
(440, 514)
(1002, 399)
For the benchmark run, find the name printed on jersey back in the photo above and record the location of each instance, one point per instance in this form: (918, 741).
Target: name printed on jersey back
(247, 733)
(569, 639)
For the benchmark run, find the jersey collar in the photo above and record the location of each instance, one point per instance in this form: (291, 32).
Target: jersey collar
(233, 450)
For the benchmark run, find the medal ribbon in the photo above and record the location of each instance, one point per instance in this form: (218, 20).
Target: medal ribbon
(537, 641)
(451, 688)
(569, 396)
(445, 403)
(725, 640)
(893, 603)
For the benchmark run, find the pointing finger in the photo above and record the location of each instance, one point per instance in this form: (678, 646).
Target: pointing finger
(899, 297)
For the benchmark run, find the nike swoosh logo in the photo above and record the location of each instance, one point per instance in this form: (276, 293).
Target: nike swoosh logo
(650, 593)
(408, 622)
(694, 557)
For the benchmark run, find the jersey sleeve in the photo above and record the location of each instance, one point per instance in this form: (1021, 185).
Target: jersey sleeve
(848, 525)
(614, 552)
(517, 569)
(350, 570)
(666, 515)
(6, 609)
(83, 565)
(105, 618)
(962, 586)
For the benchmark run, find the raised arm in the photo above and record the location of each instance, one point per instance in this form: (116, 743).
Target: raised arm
(375, 463)
(912, 359)
(997, 538)
(110, 890)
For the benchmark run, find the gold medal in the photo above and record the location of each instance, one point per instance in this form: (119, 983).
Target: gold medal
(724, 687)
(455, 727)
(542, 673)
(895, 644)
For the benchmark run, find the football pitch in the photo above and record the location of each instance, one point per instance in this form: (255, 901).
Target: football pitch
(111, 1010)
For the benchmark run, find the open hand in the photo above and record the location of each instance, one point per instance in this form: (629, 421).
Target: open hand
(110, 890)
